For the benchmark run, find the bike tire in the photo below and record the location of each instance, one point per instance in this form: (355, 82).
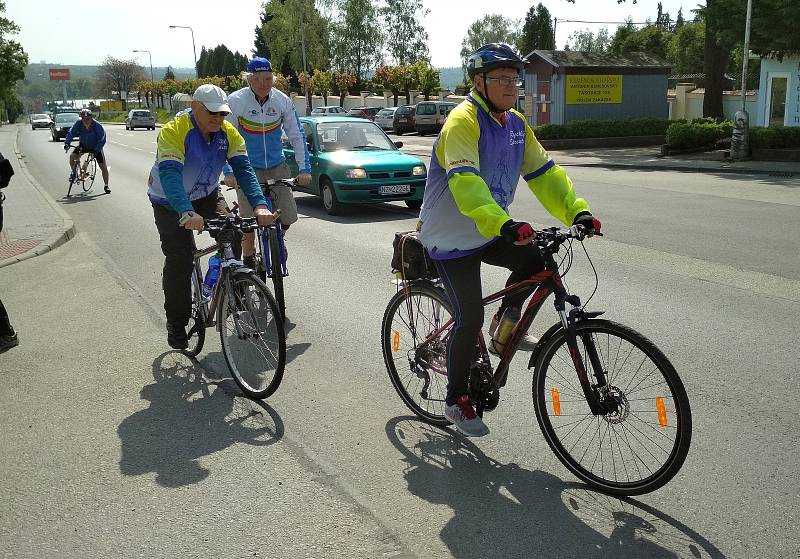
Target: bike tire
(196, 329)
(252, 335)
(411, 315)
(650, 432)
(276, 265)
(91, 171)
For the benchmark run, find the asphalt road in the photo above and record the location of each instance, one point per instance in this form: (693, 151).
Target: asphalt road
(706, 266)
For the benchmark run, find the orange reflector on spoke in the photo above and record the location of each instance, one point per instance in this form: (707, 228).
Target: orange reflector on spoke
(662, 411)
(556, 401)
(396, 344)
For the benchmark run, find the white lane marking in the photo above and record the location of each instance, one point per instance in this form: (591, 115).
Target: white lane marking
(120, 144)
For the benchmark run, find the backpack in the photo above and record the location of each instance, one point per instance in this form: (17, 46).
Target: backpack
(410, 258)
(6, 171)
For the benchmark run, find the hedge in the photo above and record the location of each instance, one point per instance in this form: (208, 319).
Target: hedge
(613, 128)
(781, 137)
(697, 133)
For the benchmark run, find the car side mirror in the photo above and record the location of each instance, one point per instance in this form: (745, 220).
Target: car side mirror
(398, 144)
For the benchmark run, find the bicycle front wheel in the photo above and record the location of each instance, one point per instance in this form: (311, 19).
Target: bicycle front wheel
(252, 335)
(276, 263)
(634, 449)
(419, 374)
(89, 170)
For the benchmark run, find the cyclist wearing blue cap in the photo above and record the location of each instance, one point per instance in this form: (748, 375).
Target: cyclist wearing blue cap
(484, 147)
(260, 112)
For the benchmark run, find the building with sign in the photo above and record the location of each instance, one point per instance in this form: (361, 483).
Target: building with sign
(561, 86)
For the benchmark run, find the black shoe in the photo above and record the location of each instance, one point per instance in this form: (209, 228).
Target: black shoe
(7, 341)
(176, 336)
(107, 190)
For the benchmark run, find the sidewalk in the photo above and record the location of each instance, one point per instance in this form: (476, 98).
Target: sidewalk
(33, 222)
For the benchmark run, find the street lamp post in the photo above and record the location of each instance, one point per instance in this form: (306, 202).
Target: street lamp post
(194, 50)
(741, 130)
(152, 79)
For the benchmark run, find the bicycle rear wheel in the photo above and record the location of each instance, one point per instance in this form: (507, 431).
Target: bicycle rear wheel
(633, 450)
(252, 335)
(196, 329)
(418, 375)
(276, 265)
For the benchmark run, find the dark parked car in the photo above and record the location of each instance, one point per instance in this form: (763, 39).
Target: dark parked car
(404, 119)
(61, 124)
(363, 112)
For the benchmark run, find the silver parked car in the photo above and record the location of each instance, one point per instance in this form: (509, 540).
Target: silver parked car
(385, 118)
(40, 121)
(140, 118)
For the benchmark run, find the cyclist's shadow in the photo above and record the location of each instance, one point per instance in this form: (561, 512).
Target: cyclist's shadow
(189, 417)
(504, 510)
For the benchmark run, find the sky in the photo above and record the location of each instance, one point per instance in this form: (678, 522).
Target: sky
(62, 32)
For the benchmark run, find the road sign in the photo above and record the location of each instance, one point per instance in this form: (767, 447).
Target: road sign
(59, 74)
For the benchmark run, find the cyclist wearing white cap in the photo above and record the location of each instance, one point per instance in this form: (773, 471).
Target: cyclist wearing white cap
(184, 187)
(260, 112)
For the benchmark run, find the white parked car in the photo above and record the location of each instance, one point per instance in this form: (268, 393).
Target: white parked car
(328, 111)
(385, 118)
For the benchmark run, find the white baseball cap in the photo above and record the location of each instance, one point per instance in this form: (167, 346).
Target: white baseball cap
(212, 97)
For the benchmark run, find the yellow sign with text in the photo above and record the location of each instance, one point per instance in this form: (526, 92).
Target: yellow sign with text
(594, 89)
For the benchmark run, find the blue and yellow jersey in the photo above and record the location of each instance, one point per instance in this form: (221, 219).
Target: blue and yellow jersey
(475, 166)
(184, 159)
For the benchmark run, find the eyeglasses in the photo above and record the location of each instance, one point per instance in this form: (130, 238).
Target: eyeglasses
(506, 81)
(217, 113)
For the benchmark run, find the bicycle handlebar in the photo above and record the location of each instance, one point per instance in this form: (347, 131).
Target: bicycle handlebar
(230, 222)
(552, 238)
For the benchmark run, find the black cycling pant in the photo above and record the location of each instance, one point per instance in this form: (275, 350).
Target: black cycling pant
(461, 278)
(177, 246)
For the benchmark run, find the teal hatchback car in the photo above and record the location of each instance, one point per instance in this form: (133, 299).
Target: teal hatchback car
(354, 162)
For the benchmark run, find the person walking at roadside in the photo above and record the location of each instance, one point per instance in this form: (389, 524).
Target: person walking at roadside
(260, 112)
(91, 137)
(8, 336)
(184, 189)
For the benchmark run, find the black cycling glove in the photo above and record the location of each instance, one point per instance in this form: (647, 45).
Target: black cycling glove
(516, 231)
(591, 223)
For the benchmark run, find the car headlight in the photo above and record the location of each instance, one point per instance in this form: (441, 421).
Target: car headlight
(418, 171)
(355, 173)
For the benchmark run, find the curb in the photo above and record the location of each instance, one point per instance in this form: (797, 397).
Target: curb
(53, 241)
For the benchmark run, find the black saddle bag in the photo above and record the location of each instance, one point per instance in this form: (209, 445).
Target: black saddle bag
(410, 258)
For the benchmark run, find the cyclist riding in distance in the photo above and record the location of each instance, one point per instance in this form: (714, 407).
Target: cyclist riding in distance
(91, 137)
(260, 112)
(184, 189)
(482, 150)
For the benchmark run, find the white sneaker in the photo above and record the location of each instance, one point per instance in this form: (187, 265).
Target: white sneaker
(528, 343)
(463, 416)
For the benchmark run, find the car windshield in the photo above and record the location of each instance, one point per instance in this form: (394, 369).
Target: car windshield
(385, 112)
(352, 136)
(141, 113)
(67, 118)
(40, 117)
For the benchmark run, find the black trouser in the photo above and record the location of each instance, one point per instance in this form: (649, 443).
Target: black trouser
(462, 282)
(177, 246)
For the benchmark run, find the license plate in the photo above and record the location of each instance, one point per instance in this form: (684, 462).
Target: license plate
(395, 189)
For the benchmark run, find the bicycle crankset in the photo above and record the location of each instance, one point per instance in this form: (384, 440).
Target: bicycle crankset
(483, 389)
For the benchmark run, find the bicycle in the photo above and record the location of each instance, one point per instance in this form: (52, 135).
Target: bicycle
(243, 310)
(84, 171)
(635, 412)
(273, 237)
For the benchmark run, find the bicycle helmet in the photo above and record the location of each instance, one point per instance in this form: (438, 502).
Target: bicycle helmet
(259, 64)
(493, 55)
(85, 112)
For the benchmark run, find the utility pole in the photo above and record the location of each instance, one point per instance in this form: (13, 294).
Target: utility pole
(305, 66)
(740, 141)
(194, 50)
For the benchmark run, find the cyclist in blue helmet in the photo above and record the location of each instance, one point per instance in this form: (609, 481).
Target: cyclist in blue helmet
(259, 112)
(483, 149)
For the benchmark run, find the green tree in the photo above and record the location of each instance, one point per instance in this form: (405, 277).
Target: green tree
(650, 39)
(169, 74)
(322, 83)
(492, 28)
(13, 60)
(406, 38)
(283, 30)
(343, 82)
(679, 22)
(537, 31)
(586, 41)
(426, 78)
(623, 32)
(685, 50)
(260, 45)
(118, 75)
(356, 38)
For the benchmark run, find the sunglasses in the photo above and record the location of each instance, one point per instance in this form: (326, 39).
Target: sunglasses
(218, 113)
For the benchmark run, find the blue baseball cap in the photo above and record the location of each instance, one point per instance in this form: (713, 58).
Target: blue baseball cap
(259, 64)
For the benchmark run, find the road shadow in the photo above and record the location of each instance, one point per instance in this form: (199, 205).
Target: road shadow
(190, 416)
(354, 214)
(79, 197)
(504, 510)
